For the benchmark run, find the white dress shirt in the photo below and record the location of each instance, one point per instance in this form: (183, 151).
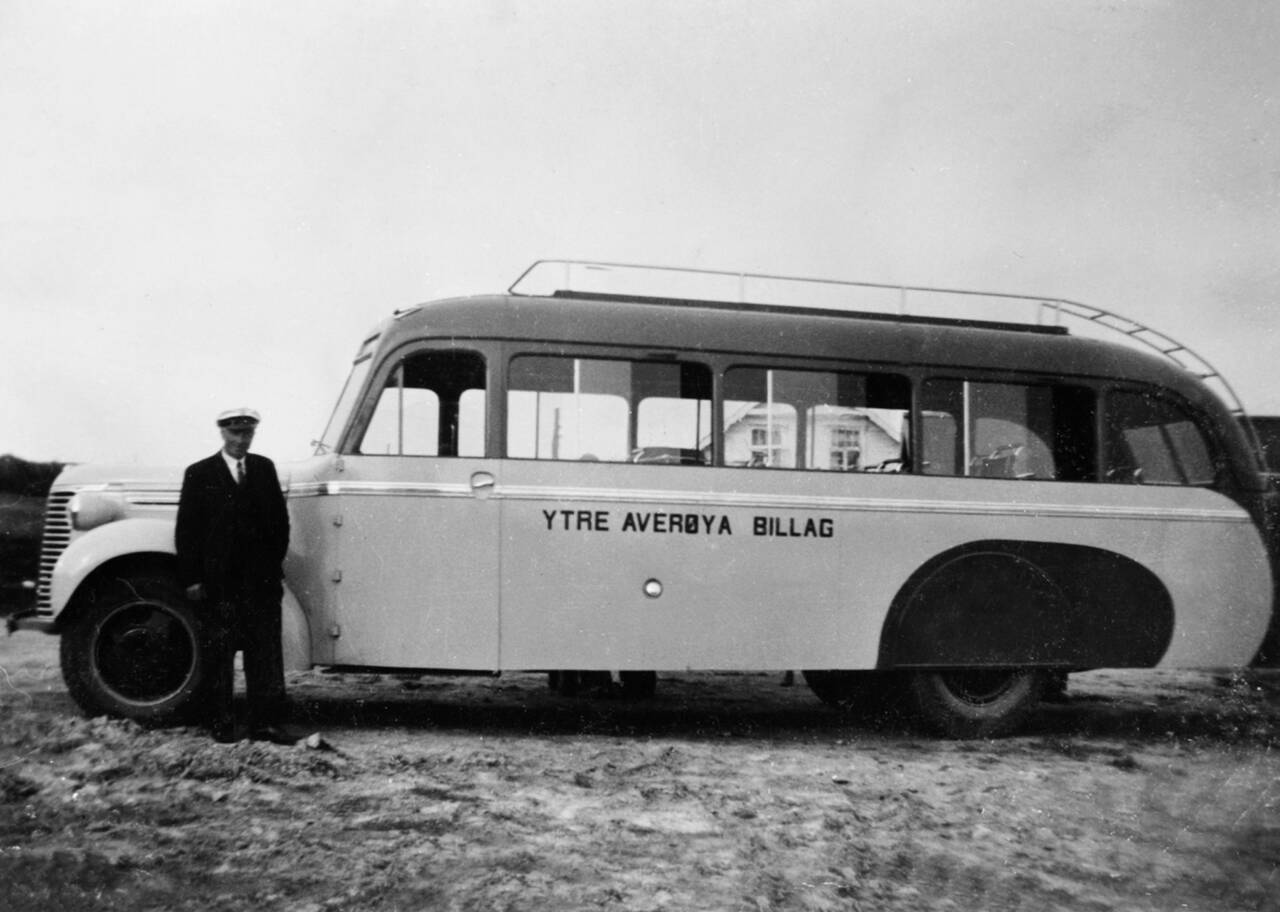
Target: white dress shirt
(231, 466)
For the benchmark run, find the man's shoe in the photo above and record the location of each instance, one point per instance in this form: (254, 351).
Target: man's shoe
(273, 734)
(224, 734)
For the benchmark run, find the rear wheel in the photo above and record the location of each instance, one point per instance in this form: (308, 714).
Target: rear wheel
(135, 651)
(976, 704)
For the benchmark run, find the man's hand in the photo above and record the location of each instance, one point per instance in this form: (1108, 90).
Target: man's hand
(195, 592)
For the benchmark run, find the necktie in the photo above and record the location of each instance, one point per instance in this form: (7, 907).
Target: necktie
(240, 472)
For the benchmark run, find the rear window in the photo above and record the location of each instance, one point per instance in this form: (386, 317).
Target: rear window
(1151, 440)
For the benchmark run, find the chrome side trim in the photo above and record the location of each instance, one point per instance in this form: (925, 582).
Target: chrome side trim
(872, 504)
(376, 489)
(306, 489)
(558, 494)
(153, 500)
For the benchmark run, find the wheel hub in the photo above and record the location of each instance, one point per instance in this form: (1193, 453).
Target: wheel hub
(144, 653)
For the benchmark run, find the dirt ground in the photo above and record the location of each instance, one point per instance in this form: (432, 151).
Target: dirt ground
(1142, 791)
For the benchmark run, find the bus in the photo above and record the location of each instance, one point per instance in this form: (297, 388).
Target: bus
(951, 509)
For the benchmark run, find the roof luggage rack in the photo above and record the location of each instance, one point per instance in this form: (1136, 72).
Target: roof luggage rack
(630, 281)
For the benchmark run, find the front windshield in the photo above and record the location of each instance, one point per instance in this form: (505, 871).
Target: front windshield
(342, 411)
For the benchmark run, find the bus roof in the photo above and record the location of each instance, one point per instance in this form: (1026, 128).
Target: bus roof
(666, 326)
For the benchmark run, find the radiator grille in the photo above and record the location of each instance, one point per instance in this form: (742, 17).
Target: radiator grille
(57, 535)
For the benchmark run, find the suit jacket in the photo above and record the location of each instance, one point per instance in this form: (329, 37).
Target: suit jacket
(227, 532)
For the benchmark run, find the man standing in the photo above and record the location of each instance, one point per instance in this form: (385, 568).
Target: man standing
(231, 538)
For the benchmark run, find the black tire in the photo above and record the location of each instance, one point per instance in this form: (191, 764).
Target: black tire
(862, 694)
(978, 703)
(135, 651)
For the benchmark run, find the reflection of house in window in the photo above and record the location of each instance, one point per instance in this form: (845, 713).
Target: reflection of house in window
(837, 438)
(766, 446)
(846, 448)
(760, 436)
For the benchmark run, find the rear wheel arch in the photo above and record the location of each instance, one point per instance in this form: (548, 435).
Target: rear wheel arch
(1006, 603)
(971, 606)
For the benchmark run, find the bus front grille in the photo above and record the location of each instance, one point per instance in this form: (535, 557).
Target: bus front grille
(57, 535)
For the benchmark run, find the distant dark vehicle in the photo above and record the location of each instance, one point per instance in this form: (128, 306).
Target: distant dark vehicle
(1267, 427)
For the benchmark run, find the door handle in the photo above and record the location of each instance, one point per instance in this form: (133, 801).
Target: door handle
(481, 481)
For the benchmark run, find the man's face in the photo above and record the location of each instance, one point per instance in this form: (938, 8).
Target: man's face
(236, 441)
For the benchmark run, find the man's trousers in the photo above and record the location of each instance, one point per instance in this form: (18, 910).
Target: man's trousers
(250, 624)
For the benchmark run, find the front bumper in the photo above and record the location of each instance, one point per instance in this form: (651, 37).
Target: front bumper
(28, 620)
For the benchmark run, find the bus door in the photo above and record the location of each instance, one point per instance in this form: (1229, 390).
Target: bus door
(601, 451)
(417, 533)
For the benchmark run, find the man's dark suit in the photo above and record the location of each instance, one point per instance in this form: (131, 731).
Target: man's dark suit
(232, 539)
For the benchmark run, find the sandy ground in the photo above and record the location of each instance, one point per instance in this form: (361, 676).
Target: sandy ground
(1142, 791)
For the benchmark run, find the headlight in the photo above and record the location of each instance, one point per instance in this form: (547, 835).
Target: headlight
(90, 510)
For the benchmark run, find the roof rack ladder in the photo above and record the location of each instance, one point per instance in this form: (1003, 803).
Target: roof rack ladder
(1140, 333)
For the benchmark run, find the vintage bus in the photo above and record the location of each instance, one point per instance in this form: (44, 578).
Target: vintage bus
(956, 510)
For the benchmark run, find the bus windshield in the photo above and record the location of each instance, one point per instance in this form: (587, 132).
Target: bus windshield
(342, 411)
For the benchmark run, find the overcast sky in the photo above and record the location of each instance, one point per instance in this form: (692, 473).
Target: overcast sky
(205, 205)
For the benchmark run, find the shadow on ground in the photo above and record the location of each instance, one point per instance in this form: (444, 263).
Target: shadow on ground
(754, 706)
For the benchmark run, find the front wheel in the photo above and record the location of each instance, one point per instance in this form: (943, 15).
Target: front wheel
(135, 651)
(978, 703)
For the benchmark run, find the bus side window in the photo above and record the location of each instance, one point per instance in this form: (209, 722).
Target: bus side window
(604, 410)
(1008, 430)
(832, 421)
(759, 419)
(433, 404)
(1153, 441)
(673, 413)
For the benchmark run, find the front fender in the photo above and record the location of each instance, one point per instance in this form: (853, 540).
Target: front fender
(295, 633)
(155, 536)
(97, 546)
